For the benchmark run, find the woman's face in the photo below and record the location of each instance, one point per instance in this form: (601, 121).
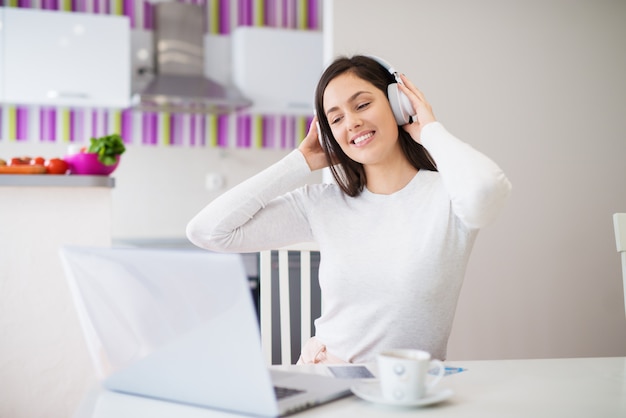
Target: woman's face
(361, 120)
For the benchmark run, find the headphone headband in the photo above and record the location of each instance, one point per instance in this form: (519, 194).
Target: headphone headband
(386, 65)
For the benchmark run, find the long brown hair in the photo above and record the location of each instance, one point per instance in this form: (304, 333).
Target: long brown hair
(349, 174)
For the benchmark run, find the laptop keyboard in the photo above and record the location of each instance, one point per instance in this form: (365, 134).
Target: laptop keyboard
(282, 392)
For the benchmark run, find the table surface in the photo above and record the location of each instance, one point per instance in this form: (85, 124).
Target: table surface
(580, 387)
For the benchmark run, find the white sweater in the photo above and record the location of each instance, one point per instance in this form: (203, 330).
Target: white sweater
(391, 266)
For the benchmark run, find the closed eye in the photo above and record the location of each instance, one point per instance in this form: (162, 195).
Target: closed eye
(363, 105)
(335, 120)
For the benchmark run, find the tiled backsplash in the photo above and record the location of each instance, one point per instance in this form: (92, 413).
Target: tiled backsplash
(77, 125)
(222, 15)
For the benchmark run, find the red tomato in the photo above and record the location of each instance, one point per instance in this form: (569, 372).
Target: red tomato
(38, 161)
(18, 161)
(56, 166)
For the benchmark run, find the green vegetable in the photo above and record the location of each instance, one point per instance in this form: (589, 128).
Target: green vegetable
(108, 148)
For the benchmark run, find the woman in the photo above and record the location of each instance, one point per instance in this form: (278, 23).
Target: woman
(395, 232)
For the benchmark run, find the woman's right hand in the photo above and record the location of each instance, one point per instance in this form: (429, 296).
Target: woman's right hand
(423, 110)
(311, 148)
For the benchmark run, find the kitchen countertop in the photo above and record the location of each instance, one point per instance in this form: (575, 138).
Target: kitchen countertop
(50, 180)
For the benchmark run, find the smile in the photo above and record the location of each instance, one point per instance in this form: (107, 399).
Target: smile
(359, 139)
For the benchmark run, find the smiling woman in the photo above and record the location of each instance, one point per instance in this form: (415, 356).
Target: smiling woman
(396, 231)
(369, 88)
(366, 131)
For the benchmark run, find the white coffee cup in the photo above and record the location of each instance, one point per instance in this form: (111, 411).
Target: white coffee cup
(403, 374)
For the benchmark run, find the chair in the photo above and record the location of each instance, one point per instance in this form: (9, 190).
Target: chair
(619, 221)
(286, 305)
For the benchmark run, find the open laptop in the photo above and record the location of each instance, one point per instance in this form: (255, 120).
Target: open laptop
(180, 325)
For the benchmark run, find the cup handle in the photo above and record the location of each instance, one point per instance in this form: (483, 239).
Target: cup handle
(440, 374)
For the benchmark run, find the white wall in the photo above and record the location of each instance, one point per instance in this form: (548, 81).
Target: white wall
(159, 189)
(540, 87)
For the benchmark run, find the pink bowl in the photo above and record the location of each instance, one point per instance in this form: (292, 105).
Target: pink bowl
(87, 163)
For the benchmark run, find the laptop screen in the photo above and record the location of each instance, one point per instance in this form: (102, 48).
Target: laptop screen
(171, 324)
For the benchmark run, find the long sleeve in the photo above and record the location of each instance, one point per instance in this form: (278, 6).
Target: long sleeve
(223, 225)
(477, 187)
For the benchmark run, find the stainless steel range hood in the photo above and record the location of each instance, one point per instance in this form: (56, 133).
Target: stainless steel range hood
(179, 83)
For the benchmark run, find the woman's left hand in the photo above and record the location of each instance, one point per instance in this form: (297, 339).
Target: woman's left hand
(423, 111)
(312, 149)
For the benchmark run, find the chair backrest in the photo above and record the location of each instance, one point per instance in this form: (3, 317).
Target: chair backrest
(269, 335)
(619, 221)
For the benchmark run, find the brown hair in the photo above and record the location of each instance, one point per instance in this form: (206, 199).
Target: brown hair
(349, 174)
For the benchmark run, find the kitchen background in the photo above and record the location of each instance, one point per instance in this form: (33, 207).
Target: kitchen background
(76, 125)
(177, 161)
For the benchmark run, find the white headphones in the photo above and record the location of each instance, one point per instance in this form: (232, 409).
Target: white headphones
(400, 104)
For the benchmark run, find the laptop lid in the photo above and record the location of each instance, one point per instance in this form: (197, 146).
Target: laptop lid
(176, 325)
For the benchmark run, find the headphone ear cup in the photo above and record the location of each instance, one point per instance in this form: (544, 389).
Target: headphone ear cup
(320, 138)
(400, 104)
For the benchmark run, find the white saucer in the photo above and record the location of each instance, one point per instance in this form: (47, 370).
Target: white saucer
(370, 391)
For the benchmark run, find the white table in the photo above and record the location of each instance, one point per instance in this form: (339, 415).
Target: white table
(585, 387)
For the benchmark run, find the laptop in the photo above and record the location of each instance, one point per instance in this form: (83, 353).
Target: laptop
(180, 325)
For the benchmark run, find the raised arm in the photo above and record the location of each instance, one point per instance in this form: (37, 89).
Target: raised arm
(476, 185)
(256, 214)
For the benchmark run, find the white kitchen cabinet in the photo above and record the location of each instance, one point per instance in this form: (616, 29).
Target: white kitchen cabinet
(57, 58)
(277, 68)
